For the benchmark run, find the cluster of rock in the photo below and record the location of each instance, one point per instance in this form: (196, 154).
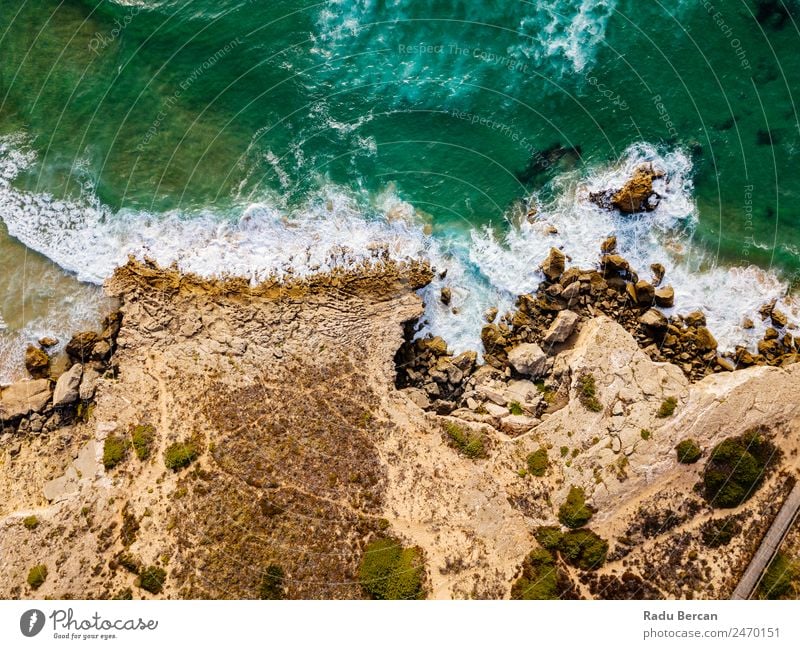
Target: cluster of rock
(519, 349)
(778, 347)
(437, 378)
(58, 385)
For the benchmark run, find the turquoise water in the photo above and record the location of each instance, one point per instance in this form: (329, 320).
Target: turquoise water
(157, 120)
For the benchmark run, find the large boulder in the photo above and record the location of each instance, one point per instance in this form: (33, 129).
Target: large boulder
(665, 297)
(561, 328)
(614, 264)
(528, 359)
(705, 340)
(68, 386)
(81, 346)
(636, 195)
(654, 319)
(553, 266)
(436, 346)
(20, 399)
(88, 383)
(37, 362)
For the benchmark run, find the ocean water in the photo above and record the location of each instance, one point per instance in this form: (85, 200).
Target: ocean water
(255, 137)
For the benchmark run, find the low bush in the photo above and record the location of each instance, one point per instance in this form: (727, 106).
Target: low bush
(180, 455)
(142, 437)
(115, 449)
(272, 583)
(548, 537)
(667, 408)
(538, 462)
(574, 512)
(30, 522)
(152, 579)
(587, 393)
(645, 434)
(583, 549)
(514, 408)
(468, 442)
(688, 451)
(717, 532)
(539, 578)
(736, 468)
(37, 575)
(777, 579)
(390, 571)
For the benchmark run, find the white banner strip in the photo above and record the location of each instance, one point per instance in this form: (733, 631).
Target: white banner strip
(380, 625)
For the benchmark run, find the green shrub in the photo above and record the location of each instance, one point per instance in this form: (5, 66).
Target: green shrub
(125, 593)
(538, 462)
(777, 579)
(587, 393)
(142, 438)
(37, 575)
(539, 578)
(30, 522)
(717, 532)
(115, 449)
(467, 442)
(667, 407)
(564, 450)
(390, 571)
(152, 579)
(645, 434)
(735, 468)
(583, 549)
(180, 455)
(688, 451)
(574, 512)
(548, 537)
(514, 408)
(272, 583)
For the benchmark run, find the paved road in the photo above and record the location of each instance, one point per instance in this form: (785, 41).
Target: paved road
(769, 546)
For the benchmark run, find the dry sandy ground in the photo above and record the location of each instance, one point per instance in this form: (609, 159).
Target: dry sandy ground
(307, 451)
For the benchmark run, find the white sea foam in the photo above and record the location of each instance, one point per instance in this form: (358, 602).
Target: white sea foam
(337, 228)
(561, 36)
(566, 31)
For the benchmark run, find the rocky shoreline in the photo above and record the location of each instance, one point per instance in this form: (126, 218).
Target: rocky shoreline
(61, 389)
(294, 425)
(519, 347)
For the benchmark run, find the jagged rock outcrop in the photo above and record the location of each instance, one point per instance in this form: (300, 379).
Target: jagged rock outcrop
(637, 195)
(37, 362)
